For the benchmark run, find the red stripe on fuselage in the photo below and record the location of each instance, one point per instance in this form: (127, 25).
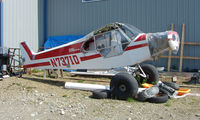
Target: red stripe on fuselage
(27, 50)
(136, 46)
(67, 50)
(141, 38)
(37, 64)
(90, 57)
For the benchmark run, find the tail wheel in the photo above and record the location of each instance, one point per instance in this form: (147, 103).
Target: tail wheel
(151, 72)
(123, 86)
(101, 94)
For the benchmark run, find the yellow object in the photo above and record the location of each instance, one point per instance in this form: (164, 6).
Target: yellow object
(182, 91)
(146, 85)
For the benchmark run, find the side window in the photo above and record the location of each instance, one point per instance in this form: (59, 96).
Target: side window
(100, 41)
(103, 43)
(89, 45)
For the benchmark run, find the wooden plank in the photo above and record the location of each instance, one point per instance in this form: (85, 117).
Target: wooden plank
(182, 46)
(184, 57)
(170, 53)
(194, 58)
(191, 43)
(189, 86)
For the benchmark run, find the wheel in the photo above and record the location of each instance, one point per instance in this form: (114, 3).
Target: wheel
(160, 98)
(123, 86)
(101, 94)
(172, 85)
(151, 73)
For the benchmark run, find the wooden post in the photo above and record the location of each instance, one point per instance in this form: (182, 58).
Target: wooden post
(29, 71)
(182, 46)
(45, 73)
(170, 53)
(61, 73)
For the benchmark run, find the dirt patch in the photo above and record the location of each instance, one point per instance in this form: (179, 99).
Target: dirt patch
(36, 98)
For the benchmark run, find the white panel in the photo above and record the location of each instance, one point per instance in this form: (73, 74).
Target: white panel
(20, 23)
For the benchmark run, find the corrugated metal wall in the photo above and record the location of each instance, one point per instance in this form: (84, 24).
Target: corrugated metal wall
(74, 17)
(20, 23)
(1, 25)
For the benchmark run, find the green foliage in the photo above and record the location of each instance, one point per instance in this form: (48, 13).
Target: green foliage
(130, 100)
(36, 71)
(29, 88)
(80, 81)
(140, 79)
(168, 104)
(51, 76)
(65, 95)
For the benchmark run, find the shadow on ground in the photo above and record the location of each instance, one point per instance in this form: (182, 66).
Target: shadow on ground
(46, 81)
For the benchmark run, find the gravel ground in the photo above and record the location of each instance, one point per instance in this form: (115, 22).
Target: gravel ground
(34, 98)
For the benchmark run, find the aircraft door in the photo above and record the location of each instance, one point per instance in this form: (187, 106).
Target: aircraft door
(111, 43)
(103, 43)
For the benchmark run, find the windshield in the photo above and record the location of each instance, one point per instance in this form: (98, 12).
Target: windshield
(130, 30)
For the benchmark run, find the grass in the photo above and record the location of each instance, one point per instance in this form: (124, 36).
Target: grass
(17, 84)
(168, 104)
(65, 95)
(29, 88)
(36, 71)
(51, 76)
(20, 85)
(131, 100)
(38, 75)
(80, 81)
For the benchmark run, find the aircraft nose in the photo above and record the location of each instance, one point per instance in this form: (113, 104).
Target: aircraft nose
(174, 41)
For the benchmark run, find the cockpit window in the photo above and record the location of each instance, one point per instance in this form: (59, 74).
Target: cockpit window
(127, 31)
(123, 41)
(111, 43)
(130, 30)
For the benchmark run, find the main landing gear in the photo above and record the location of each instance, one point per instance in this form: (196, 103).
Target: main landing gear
(125, 84)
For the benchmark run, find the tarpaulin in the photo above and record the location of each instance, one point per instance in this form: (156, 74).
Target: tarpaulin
(60, 40)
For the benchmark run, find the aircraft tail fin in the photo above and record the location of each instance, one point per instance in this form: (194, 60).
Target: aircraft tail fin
(27, 54)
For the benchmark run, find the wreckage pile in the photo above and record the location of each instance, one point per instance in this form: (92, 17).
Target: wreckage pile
(159, 93)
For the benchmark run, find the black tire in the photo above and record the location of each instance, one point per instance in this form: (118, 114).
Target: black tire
(141, 97)
(172, 85)
(123, 86)
(163, 91)
(151, 73)
(101, 94)
(148, 93)
(162, 98)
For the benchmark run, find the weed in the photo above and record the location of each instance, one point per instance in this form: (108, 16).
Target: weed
(80, 81)
(51, 76)
(130, 100)
(65, 95)
(36, 71)
(38, 75)
(18, 84)
(168, 104)
(29, 88)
